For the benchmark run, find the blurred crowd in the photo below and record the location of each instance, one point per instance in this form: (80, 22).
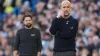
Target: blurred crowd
(43, 11)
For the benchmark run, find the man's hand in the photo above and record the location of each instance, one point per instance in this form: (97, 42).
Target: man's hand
(15, 53)
(39, 54)
(61, 14)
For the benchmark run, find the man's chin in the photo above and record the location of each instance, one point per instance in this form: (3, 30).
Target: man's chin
(66, 15)
(28, 26)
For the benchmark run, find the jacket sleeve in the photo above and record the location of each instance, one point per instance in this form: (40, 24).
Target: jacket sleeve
(39, 42)
(53, 28)
(16, 41)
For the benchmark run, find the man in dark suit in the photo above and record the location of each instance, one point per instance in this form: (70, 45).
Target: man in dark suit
(64, 28)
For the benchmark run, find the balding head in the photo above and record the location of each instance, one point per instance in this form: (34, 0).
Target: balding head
(65, 2)
(66, 7)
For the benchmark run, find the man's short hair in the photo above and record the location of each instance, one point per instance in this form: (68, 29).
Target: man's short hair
(27, 15)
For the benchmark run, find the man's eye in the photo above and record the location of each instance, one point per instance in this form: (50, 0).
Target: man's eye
(64, 7)
(67, 6)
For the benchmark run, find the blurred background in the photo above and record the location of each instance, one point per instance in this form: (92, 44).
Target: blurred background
(43, 11)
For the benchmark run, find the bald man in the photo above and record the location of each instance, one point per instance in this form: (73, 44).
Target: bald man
(64, 28)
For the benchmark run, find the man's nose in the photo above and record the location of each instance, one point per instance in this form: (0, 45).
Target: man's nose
(66, 9)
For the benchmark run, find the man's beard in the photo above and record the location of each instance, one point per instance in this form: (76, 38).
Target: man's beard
(28, 25)
(66, 15)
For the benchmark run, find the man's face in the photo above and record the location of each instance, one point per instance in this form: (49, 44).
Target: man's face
(66, 8)
(28, 22)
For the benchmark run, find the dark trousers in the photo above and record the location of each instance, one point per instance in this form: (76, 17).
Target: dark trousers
(67, 53)
(27, 55)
